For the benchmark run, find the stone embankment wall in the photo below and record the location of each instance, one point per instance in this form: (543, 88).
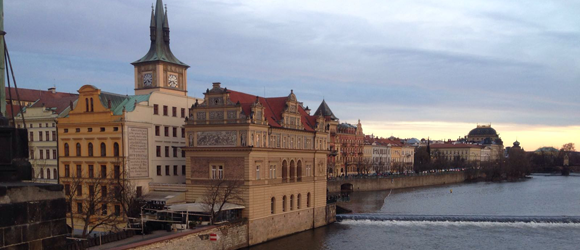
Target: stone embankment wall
(231, 236)
(396, 182)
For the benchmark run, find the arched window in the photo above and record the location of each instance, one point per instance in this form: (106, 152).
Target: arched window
(273, 205)
(55, 174)
(284, 203)
(298, 201)
(299, 171)
(284, 171)
(66, 149)
(87, 104)
(103, 149)
(48, 173)
(291, 202)
(41, 173)
(116, 149)
(308, 200)
(292, 171)
(92, 105)
(90, 147)
(78, 149)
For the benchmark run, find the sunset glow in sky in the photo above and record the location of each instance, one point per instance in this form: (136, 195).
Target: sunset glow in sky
(425, 68)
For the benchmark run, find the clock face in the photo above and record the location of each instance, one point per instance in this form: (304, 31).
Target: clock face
(147, 79)
(172, 81)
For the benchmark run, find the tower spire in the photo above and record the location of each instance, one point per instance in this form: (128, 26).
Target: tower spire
(159, 34)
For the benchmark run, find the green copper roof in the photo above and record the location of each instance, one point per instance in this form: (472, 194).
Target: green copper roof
(159, 29)
(120, 102)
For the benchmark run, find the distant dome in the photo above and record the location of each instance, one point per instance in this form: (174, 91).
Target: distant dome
(488, 131)
(516, 144)
(547, 149)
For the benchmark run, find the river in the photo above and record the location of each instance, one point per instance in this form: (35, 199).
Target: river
(542, 195)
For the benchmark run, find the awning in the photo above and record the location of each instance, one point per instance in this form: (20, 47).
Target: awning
(167, 197)
(200, 207)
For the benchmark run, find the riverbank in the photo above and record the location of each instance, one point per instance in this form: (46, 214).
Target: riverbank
(396, 182)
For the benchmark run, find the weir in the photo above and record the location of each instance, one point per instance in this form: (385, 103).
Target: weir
(458, 218)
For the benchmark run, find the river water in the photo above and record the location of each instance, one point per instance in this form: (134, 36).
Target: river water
(540, 196)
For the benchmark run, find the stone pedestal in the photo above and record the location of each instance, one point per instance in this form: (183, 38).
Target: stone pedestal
(32, 216)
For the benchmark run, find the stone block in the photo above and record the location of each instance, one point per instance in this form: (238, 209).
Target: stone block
(58, 227)
(37, 231)
(36, 210)
(12, 214)
(55, 209)
(35, 245)
(1, 237)
(54, 243)
(12, 235)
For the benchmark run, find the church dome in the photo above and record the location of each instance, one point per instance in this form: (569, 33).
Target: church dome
(483, 130)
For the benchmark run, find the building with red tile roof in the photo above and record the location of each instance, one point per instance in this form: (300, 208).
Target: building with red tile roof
(273, 145)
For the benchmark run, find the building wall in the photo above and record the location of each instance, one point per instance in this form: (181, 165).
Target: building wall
(375, 184)
(44, 164)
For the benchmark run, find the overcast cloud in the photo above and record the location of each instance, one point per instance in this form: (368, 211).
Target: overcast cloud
(504, 62)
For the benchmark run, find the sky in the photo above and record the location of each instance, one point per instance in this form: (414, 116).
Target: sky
(431, 68)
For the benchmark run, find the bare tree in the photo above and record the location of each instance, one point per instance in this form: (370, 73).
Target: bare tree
(219, 192)
(89, 200)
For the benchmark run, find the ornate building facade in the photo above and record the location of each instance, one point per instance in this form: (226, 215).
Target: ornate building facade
(273, 145)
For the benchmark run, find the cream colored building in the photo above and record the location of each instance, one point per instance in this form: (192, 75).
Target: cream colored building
(40, 118)
(273, 145)
(460, 151)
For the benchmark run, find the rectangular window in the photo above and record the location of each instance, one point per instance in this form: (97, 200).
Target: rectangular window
(182, 113)
(182, 169)
(79, 190)
(66, 130)
(41, 154)
(175, 170)
(174, 152)
(54, 154)
(40, 125)
(103, 171)
(79, 207)
(53, 135)
(77, 130)
(257, 172)
(174, 111)
(67, 189)
(91, 191)
(32, 154)
(91, 171)
(155, 109)
(182, 153)
(102, 129)
(89, 129)
(103, 191)
(117, 172)
(115, 128)
(220, 172)
(79, 171)
(48, 155)
(182, 132)
(166, 130)
(103, 209)
(164, 110)
(167, 170)
(166, 151)
(158, 170)
(47, 133)
(158, 151)
(40, 136)
(66, 171)
(157, 131)
(174, 132)
(213, 172)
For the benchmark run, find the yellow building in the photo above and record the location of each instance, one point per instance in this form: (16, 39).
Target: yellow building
(273, 145)
(465, 152)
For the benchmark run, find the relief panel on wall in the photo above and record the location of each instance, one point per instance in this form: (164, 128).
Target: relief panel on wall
(216, 138)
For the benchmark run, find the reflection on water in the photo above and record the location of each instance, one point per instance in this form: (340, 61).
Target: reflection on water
(540, 196)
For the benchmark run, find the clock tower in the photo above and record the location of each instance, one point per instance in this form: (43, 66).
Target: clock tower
(159, 69)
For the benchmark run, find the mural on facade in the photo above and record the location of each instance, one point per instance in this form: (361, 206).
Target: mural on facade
(216, 138)
(138, 156)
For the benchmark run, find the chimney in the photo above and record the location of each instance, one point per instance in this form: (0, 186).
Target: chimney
(216, 85)
(52, 90)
